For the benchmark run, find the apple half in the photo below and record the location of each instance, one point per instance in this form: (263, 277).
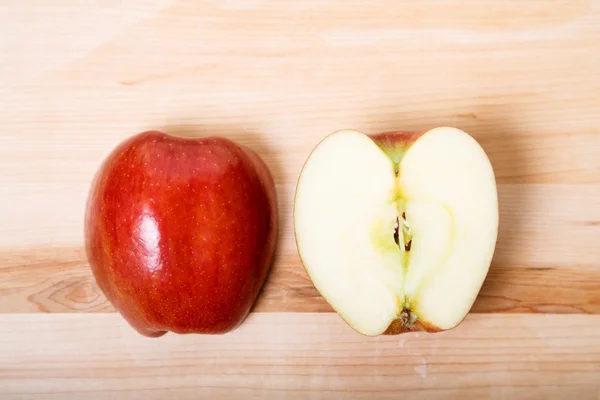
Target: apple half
(397, 230)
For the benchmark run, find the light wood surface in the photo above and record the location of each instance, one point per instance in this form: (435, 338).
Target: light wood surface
(522, 77)
(299, 356)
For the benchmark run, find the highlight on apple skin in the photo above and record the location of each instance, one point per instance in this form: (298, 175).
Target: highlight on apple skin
(180, 233)
(397, 230)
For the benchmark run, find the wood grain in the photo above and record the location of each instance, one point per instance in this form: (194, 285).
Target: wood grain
(300, 356)
(546, 261)
(76, 78)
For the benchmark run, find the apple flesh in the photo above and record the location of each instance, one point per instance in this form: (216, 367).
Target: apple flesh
(397, 230)
(180, 233)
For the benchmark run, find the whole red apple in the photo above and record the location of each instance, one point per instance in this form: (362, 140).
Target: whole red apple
(180, 233)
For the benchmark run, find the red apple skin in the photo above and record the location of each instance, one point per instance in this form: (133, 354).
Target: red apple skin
(180, 233)
(396, 144)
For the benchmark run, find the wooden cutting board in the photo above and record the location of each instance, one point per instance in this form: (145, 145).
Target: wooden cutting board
(523, 78)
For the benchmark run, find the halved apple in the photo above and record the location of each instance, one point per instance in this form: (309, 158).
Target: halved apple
(397, 230)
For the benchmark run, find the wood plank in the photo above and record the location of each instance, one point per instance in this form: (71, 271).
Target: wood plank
(68, 102)
(546, 261)
(293, 356)
(518, 155)
(47, 180)
(522, 77)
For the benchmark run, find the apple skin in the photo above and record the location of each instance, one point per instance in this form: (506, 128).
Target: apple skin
(397, 327)
(396, 144)
(180, 233)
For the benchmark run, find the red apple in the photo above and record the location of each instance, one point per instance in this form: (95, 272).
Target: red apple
(180, 233)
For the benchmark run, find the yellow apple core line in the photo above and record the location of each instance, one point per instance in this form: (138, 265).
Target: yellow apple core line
(404, 237)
